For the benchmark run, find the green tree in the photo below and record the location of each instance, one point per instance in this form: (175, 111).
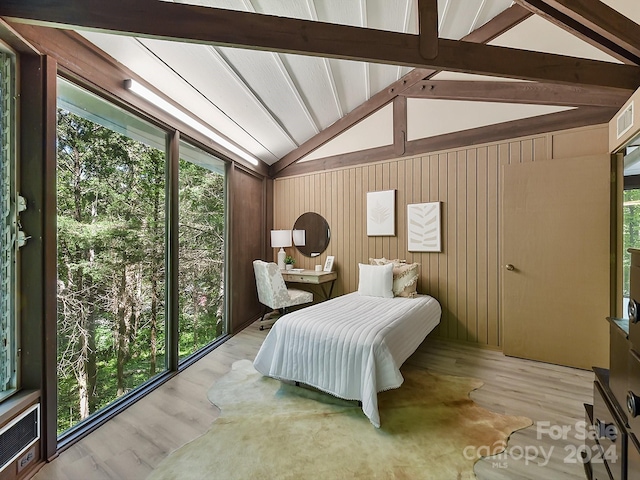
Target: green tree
(201, 277)
(111, 263)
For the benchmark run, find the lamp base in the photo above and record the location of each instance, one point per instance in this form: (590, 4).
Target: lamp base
(281, 255)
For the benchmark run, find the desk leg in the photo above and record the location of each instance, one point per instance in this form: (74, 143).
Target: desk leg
(327, 296)
(330, 289)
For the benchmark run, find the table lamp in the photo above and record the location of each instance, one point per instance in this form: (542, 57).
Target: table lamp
(279, 239)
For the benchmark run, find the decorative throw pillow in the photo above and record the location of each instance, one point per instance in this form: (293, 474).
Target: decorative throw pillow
(376, 281)
(405, 275)
(379, 261)
(405, 279)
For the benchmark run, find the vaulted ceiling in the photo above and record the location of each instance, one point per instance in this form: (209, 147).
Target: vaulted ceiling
(274, 104)
(271, 103)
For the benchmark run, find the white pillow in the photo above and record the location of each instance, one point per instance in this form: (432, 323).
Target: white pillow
(376, 280)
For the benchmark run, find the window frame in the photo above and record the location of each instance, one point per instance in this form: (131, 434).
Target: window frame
(10, 151)
(174, 365)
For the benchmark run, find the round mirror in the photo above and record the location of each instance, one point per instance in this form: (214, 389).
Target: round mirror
(311, 234)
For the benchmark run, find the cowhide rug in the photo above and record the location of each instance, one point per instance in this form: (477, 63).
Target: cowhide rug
(268, 429)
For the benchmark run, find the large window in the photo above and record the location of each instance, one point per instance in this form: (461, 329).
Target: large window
(202, 243)
(111, 193)
(114, 241)
(9, 239)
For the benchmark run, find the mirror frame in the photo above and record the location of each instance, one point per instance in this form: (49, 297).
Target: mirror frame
(317, 234)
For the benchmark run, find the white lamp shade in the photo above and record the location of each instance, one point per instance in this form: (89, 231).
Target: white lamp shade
(280, 238)
(299, 238)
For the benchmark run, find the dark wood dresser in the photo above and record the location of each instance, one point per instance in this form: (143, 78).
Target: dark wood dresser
(612, 446)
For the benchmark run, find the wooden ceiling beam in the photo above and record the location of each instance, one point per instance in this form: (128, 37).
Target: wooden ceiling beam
(531, 93)
(214, 26)
(428, 28)
(490, 30)
(594, 22)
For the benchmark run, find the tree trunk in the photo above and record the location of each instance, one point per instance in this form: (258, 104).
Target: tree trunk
(122, 336)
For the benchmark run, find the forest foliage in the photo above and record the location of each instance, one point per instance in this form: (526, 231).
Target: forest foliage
(630, 233)
(111, 264)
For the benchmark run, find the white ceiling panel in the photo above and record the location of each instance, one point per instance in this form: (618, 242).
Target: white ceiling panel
(427, 118)
(205, 71)
(629, 8)
(487, 10)
(374, 131)
(313, 78)
(131, 53)
(389, 15)
(538, 34)
(263, 72)
(458, 18)
(351, 83)
(338, 11)
(381, 76)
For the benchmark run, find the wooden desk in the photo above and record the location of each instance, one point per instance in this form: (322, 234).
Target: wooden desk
(312, 277)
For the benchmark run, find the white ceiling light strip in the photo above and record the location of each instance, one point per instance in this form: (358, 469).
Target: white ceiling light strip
(175, 112)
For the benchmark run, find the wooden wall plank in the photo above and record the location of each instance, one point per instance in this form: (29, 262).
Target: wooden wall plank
(403, 201)
(539, 148)
(466, 277)
(482, 221)
(443, 297)
(461, 244)
(393, 185)
(434, 196)
(471, 245)
(493, 260)
(360, 225)
(526, 147)
(343, 231)
(451, 243)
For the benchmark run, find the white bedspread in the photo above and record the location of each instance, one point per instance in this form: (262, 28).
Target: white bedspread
(351, 346)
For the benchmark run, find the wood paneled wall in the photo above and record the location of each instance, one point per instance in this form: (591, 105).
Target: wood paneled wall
(466, 276)
(246, 222)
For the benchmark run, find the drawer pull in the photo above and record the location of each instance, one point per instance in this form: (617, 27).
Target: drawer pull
(633, 404)
(606, 430)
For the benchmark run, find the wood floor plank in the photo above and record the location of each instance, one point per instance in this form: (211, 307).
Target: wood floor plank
(134, 442)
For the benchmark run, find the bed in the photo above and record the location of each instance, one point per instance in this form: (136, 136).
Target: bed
(351, 346)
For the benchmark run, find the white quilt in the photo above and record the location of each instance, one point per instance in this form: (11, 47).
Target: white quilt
(351, 346)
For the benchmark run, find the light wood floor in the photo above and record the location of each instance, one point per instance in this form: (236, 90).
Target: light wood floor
(133, 443)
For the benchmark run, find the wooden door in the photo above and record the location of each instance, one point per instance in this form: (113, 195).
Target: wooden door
(556, 261)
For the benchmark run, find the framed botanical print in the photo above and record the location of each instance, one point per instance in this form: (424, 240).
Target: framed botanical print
(381, 213)
(423, 227)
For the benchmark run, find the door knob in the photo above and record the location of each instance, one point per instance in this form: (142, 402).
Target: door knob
(510, 267)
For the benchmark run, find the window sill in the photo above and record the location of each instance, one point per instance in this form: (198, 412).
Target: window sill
(16, 403)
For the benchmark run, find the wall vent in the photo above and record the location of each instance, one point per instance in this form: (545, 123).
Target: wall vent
(18, 435)
(625, 120)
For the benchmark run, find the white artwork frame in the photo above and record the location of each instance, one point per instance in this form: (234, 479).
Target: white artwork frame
(381, 213)
(423, 227)
(328, 264)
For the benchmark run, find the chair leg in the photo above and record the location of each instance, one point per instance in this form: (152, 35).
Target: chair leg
(264, 312)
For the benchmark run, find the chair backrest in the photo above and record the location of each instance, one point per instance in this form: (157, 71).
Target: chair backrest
(272, 291)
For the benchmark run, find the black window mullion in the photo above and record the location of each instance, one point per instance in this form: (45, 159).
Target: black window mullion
(172, 249)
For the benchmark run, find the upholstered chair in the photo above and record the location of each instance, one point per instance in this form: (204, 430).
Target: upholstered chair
(273, 292)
